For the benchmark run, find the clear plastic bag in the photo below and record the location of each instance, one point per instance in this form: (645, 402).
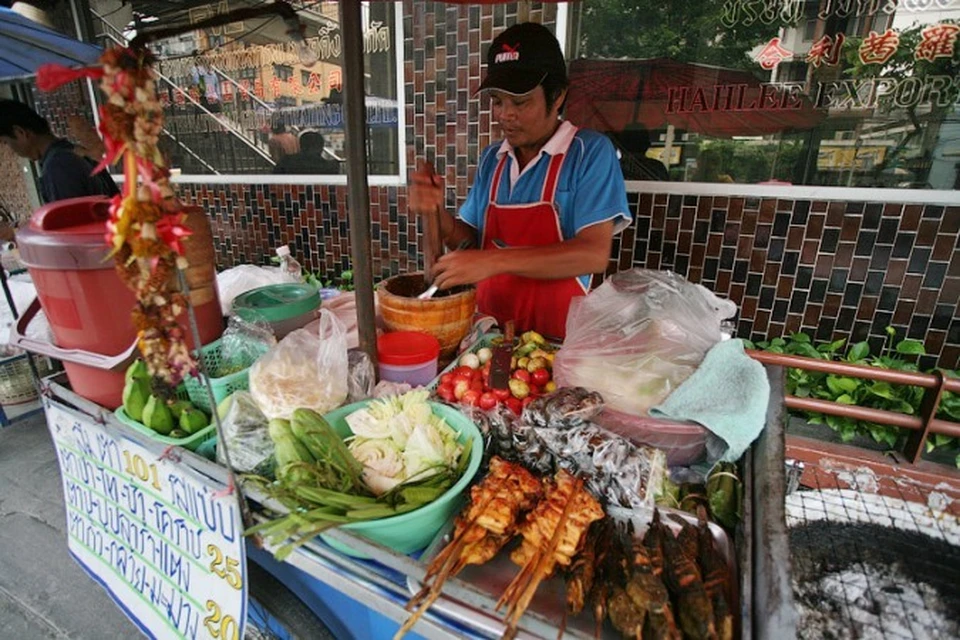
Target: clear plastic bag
(638, 336)
(245, 277)
(246, 437)
(305, 370)
(241, 344)
(565, 408)
(362, 380)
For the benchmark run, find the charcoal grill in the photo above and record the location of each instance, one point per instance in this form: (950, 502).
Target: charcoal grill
(874, 554)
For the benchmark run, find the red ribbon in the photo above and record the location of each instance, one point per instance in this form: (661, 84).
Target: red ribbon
(52, 76)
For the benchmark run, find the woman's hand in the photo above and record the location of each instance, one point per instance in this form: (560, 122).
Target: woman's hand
(425, 194)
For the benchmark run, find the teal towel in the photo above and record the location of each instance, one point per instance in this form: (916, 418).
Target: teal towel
(727, 394)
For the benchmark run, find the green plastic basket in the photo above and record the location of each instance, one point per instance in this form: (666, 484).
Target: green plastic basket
(409, 532)
(222, 386)
(191, 442)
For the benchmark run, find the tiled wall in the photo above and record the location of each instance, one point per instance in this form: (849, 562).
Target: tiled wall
(831, 268)
(13, 196)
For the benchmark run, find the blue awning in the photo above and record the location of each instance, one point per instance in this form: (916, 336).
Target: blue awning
(25, 46)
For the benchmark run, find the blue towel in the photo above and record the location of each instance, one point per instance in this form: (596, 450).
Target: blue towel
(727, 394)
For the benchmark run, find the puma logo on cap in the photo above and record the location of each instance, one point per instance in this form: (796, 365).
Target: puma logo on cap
(508, 54)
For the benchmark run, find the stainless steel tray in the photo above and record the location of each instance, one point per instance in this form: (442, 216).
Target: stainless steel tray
(546, 611)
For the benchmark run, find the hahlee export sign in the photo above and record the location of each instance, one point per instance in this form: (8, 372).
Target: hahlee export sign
(161, 538)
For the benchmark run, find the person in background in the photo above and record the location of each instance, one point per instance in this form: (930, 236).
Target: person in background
(633, 144)
(282, 142)
(546, 200)
(64, 173)
(309, 160)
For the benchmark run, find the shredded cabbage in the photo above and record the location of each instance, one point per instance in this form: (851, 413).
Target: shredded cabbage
(399, 438)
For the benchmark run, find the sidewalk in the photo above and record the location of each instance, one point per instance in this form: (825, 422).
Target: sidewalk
(43, 592)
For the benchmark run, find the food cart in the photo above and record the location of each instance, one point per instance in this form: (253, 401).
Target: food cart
(354, 597)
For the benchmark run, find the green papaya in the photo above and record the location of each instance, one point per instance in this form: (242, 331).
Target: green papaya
(178, 407)
(192, 420)
(157, 416)
(136, 392)
(137, 371)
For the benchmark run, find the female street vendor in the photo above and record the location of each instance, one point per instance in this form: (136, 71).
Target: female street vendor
(546, 200)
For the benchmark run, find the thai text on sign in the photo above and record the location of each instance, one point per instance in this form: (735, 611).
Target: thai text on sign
(158, 536)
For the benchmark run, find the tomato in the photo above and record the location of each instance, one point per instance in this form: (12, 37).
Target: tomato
(463, 371)
(502, 394)
(445, 391)
(476, 376)
(535, 391)
(486, 367)
(540, 377)
(488, 401)
(514, 405)
(471, 398)
(477, 385)
(445, 378)
(521, 374)
(526, 401)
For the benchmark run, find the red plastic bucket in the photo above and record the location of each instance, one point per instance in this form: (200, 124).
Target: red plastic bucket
(88, 307)
(408, 356)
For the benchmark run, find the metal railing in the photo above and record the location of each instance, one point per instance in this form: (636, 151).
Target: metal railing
(919, 426)
(228, 125)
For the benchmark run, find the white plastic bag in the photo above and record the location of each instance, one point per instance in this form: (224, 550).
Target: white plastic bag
(245, 277)
(638, 336)
(305, 370)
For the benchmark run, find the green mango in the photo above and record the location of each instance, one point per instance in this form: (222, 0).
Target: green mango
(157, 416)
(137, 371)
(135, 395)
(178, 407)
(193, 420)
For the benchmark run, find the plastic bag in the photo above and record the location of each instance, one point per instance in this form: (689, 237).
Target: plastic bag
(305, 370)
(245, 277)
(565, 408)
(241, 344)
(246, 437)
(362, 379)
(638, 336)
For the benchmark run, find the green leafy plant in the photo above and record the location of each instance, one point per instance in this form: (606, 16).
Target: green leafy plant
(862, 392)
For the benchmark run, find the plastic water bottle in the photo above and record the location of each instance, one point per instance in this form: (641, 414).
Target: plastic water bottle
(291, 268)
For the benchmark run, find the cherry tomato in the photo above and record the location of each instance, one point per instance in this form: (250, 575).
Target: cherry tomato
(540, 377)
(526, 401)
(502, 394)
(464, 371)
(522, 374)
(445, 378)
(514, 405)
(535, 390)
(476, 376)
(477, 385)
(486, 367)
(488, 401)
(471, 398)
(445, 391)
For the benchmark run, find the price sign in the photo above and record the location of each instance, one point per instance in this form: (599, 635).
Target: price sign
(159, 536)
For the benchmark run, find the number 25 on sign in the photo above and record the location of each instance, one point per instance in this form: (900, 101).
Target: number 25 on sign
(225, 567)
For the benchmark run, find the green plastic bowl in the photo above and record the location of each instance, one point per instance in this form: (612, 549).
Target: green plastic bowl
(412, 531)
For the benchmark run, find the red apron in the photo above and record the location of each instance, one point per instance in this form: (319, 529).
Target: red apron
(540, 305)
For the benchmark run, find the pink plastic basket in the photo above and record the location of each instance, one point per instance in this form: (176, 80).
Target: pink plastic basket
(684, 442)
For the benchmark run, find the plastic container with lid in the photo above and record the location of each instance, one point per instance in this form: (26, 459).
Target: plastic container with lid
(408, 356)
(285, 307)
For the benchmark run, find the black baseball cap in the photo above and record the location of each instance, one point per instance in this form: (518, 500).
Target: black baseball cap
(521, 58)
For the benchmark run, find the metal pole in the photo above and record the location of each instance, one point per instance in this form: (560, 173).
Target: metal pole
(358, 194)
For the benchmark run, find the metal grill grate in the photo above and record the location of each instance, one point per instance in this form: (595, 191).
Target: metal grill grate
(873, 556)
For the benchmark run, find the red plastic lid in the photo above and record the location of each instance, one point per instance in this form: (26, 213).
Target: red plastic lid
(68, 235)
(405, 348)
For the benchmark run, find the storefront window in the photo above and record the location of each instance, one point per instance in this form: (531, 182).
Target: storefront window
(860, 93)
(245, 99)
